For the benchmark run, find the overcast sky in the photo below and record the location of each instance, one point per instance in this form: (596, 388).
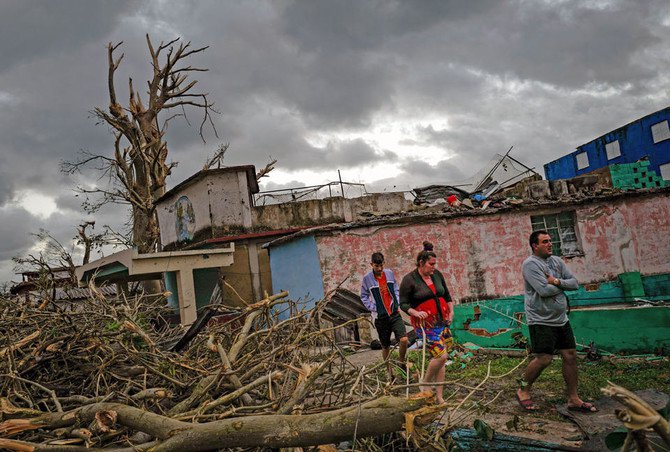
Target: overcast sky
(394, 94)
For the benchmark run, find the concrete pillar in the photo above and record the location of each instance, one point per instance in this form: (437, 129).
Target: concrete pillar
(188, 311)
(255, 267)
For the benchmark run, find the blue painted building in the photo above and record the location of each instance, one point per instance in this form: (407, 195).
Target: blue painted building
(647, 137)
(295, 267)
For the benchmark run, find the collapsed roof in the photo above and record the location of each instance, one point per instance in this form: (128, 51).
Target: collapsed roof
(500, 172)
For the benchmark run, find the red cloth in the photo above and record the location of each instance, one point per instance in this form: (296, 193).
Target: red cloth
(384, 290)
(430, 307)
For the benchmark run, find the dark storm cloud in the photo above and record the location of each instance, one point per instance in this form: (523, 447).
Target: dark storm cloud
(344, 90)
(30, 30)
(416, 173)
(330, 27)
(563, 43)
(284, 138)
(458, 138)
(352, 70)
(5, 181)
(425, 174)
(14, 220)
(298, 80)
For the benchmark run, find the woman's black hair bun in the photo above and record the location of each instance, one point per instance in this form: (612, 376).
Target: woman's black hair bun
(427, 246)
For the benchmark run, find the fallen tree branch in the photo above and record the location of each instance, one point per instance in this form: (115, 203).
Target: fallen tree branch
(638, 415)
(19, 344)
(376, 417)
(51, 393)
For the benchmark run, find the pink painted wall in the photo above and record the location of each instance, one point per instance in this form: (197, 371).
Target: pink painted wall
(482, 255)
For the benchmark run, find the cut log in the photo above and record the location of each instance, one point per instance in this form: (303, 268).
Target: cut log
(372, 418)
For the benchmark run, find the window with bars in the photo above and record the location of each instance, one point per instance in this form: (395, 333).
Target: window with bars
(561, 228)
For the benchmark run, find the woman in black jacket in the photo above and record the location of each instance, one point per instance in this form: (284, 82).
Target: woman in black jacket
(425, 297)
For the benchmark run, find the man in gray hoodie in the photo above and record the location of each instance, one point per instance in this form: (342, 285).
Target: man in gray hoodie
(545, 278)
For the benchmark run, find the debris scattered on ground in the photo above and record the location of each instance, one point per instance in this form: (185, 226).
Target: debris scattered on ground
(102, 374)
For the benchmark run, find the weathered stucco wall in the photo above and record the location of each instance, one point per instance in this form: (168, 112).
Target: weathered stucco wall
(326, 211)
(625, 235)
(221, 200)
(249, 275)
(167, 211)
(481, 256)
(230, 201)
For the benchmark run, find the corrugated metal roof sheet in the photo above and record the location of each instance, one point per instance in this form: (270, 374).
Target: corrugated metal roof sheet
(73, 293)
(344, 305)
(80, 293)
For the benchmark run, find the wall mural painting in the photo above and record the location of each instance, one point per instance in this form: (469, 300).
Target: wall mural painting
(185, 221)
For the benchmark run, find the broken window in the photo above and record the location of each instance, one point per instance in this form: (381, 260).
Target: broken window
(582, 160)
(613, 150)
(561, 228)
(660, 131)
(665, 171)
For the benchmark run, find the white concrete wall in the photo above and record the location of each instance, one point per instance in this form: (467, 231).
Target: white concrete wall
(220, 200)
(229, 200)
(167, 215)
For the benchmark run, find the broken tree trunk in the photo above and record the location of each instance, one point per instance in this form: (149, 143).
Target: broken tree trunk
(638, 415)
(376, 417)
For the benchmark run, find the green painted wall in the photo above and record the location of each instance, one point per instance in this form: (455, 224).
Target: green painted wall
(605, 317)
(631, 330)
(204, 280)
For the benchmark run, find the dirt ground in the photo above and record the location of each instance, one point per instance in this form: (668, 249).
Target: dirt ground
(552, 423)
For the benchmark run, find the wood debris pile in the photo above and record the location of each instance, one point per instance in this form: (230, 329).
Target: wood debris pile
(101, 374)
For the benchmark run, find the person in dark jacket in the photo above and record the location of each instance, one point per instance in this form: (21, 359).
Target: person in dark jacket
(425, 297)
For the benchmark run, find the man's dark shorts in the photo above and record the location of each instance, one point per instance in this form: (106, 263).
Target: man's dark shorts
(547, 339)
(385, 326)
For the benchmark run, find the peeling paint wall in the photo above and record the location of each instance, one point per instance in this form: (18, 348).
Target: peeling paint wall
(622, 236)
(481, 256)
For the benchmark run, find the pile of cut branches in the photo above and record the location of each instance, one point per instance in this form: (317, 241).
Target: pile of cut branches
(101, 374)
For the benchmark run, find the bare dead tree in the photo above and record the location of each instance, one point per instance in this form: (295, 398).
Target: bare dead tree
(49, 263)
(86, 240)
(217, 158)
(139, 166)
(265, 171)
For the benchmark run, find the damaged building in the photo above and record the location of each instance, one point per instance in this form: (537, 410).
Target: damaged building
(217, 207)
(647, 138)
(611, 240)
(315, 242)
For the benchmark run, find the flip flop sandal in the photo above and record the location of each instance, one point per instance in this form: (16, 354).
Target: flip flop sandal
(585, 407)
(527, 405)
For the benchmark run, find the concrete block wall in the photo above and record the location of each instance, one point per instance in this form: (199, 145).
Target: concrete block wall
(638, 175)
(329, 210)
